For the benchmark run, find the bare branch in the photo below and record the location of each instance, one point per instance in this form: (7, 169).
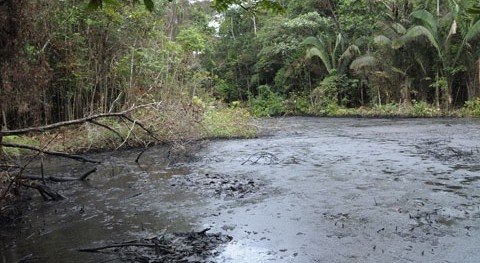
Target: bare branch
(40, 150)
(60, 179)
(78, 121)
(108, 128)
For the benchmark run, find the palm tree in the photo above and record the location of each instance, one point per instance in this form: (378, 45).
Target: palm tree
(331, 52)
(387, 69)
(335, 58)
(440, 32)
(470, 29)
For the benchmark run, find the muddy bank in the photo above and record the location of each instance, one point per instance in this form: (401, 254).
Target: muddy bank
(308, 190)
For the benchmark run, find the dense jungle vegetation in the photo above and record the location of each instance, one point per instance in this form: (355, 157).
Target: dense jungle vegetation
(62, 60)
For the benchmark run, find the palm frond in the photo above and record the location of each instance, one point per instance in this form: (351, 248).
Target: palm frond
(473, 31)
(420, 63)
(399, 28)
(322, 54)
(413, 33)
(313, 41)
(338, 46)
(350, 52)
(364, 63)
(382, 40)
(427, 20)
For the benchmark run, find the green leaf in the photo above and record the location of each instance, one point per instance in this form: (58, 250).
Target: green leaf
(94, 4)
(473, 31)
(427, 19)
(474, 10)
(382, 40)
(365, 62)
(320, 50)
(415, 32)
(269, 5)
(149, 5)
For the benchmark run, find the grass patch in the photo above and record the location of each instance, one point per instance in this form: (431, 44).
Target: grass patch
(24, 140)
(228, 122)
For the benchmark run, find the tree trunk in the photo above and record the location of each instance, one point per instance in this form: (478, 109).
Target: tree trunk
(405, 92)
(447, 94)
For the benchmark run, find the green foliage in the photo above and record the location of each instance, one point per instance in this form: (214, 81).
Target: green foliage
(22, 140)
(421, 109)
(273, 6)
(93, 4)
(225, 90)
(440, 83)
(327, 108)
(267, 103)
(192, 39)
(472, 107)
(334, 89)
(304, 61)
(389, 109)
(228, 122)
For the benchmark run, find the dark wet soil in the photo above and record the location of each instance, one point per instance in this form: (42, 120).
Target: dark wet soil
(307, 190)
(219, 185)
(168, 248)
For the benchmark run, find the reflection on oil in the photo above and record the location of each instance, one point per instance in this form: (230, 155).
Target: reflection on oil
(241, 253)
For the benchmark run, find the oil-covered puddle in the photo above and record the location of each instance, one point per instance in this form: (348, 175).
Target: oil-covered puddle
(313, 190)
(122, 201)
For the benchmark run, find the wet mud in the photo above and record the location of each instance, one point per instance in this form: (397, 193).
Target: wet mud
(197, 247)
(219, 185)
(306, 190)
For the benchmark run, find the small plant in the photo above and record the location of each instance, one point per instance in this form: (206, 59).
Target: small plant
(389, 109)
(267, 103)
(472, 108)
(228, 122)
(421, 109)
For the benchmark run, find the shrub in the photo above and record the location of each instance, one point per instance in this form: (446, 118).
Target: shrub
(267, 103)
(228, 122)
(472, 107)
(421, 109)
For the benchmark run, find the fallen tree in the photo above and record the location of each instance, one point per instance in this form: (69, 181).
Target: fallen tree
(13, 174)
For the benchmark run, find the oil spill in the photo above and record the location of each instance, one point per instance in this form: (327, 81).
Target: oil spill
(310, 190)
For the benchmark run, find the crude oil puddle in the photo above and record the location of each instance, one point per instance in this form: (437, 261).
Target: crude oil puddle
(313, 190)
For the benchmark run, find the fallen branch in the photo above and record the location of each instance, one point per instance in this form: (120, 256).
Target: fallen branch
(60, 179)
(141, 153)
(22, 169)
(25, 258)
(270, 158)
(40, 150)
(46, 192)
(128, 135)
(96, 249)
(122, 114)
(108, 128)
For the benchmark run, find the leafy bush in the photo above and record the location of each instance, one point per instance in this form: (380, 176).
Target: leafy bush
(389, 109)
(228, 122)
(225, 90)
(421, 109)
(472, 108)
(267, 103)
